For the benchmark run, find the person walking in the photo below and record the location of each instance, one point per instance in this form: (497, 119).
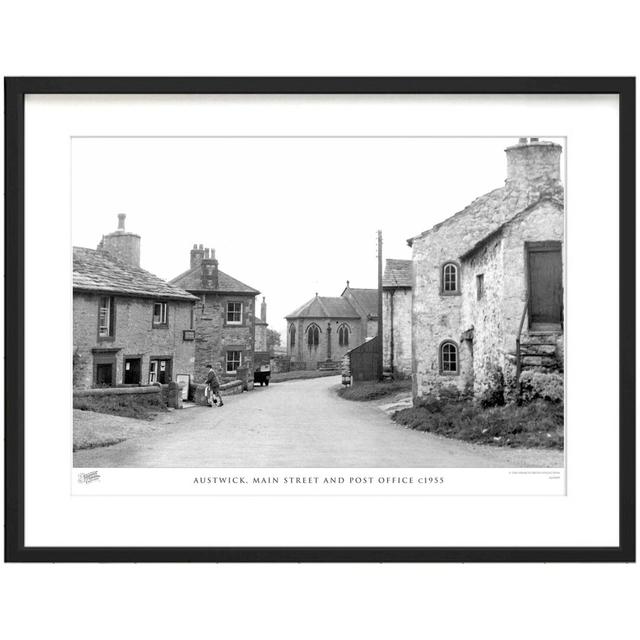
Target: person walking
(213, 384)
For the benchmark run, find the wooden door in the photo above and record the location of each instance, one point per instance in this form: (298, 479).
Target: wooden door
(545, 283)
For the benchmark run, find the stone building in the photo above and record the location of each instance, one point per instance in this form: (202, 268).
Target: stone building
(323, 329)
(485, 270)
(224, 316)
(129, 326)
(397, 300)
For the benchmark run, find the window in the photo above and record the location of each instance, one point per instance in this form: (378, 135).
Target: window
(448, 358)
(292, 336)
(160, 370)
(450, 278)
(234, 360)
(106, 317)
(343, 335)
(159, 314)
(313, 335)
(480, 285)
(234, 312)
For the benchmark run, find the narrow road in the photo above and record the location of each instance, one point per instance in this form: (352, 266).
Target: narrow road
(300, 423)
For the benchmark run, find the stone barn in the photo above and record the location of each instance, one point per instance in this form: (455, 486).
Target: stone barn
(491, 276)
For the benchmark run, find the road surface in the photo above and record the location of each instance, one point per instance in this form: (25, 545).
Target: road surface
(299, 423)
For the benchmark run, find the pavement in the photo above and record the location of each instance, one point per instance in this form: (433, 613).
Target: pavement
(299, 423)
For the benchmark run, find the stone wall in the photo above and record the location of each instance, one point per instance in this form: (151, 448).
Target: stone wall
(402, 300)
(214, 337)
(483, 317)
(496, 317)
(134, 336)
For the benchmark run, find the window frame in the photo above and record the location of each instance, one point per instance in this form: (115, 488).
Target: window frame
(313, 329)
(480, 286)
(111, 335)
(292, 336)
(441, 363)
(443, 267)
(235, 323)
(343, 329)
(227, 361)
(163, 324)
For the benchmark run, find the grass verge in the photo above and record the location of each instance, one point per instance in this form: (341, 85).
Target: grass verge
(539, 424)
(374, 390)
(142, 407)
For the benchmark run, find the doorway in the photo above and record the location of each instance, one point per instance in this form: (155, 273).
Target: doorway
(132, 370)
(544, 264)
(160, 370)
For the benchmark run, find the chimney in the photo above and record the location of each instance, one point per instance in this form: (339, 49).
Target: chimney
(197, 254)
(121, 244)
(209, 273)
(533, 163)
(263, 310)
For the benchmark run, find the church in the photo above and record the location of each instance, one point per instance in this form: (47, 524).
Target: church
(323, 329)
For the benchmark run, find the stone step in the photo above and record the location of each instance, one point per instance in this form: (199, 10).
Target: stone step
(539, 338)
(539, 361)
(538, 349)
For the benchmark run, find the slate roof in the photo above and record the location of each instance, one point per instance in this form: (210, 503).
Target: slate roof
(367, 299)
(397, 273)
(488, 212)
(95, 270)
(190, 280)
(498, 230)
(322, 307)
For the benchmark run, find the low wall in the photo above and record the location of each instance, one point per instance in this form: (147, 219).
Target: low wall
(226, 389)
(169, 394)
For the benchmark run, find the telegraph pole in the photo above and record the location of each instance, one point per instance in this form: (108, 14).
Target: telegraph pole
(380, 335)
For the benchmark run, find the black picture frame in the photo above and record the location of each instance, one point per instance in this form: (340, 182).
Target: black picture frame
(15, 91)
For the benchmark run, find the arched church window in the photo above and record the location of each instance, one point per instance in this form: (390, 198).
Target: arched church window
(292, 335)
(343, 335)
(313, 335)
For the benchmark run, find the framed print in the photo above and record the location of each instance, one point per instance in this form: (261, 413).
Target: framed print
(320, 319)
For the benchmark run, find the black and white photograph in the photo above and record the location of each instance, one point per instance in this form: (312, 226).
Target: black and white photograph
(318, 302)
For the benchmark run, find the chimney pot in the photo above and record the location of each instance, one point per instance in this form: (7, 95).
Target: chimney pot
(121, 219)
(522, 141)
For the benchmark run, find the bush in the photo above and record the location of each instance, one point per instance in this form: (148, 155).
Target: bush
(536, 385)
(538, 424)
(493, 393)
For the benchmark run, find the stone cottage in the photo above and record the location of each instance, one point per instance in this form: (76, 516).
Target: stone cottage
(129, 326)
(490, 275)
(323, 329)
(224, 319)
(397, 301)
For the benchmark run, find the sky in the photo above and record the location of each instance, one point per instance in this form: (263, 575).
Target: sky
(287, 216)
